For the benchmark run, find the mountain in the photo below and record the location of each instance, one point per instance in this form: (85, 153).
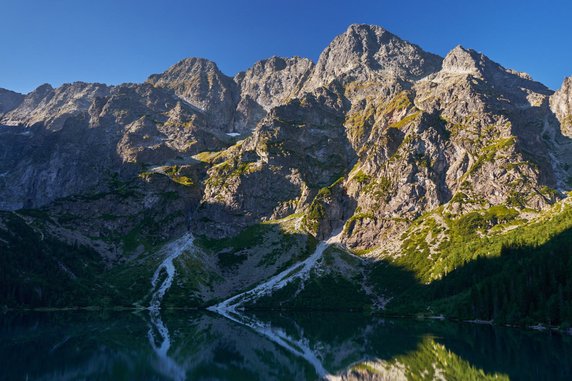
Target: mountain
(370, 53)
(370, 179)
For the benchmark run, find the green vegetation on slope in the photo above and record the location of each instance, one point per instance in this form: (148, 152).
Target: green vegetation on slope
(522, 276)
(30, 263)
(336, 286)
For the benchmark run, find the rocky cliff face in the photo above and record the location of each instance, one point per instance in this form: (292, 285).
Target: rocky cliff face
(267, 84)
(65, 141)
(201, 84)
(454, 139)
(561, 105)
(52, 107)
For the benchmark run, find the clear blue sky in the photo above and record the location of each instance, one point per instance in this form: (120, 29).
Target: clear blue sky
(114, 41)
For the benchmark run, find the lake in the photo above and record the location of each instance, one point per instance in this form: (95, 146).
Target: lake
(177, 345)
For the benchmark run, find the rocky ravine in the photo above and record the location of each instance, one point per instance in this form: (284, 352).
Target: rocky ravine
(378, 138)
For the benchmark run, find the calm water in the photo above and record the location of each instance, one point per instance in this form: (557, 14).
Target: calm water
(272, 346)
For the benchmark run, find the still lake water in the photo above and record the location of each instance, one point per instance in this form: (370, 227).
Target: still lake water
(270, 346)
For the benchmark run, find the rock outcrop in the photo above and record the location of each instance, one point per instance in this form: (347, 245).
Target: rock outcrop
(561, 105)
(366, 53)
(267, 84)
(200, 83)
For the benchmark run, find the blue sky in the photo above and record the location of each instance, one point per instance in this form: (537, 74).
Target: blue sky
(114, 41)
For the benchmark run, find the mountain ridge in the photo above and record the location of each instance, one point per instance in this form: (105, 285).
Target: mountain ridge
(404, 153)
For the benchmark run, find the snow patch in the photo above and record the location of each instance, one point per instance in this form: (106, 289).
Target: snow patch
(173, 250)
(158, 334)
(299, 270)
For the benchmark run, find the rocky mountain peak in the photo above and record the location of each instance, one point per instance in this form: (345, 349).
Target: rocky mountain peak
(267, 84)
(367, 52)
(199, 82)
(40, 92)
(45, 87)
(484, 82)
(185, 69)
(53, 106)
(464, 61)
(275, 64)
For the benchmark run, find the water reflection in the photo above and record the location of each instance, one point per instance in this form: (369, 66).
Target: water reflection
(269, 346)
(298, 347)
(160, 341)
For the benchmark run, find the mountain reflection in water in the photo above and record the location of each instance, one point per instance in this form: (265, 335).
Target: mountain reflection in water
(270, 346)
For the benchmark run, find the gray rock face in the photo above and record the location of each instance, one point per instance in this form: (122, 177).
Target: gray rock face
(52, 107)
(510, 89)
(561, 105)
(9, 100)
(185, 110)
(473, 89)
(415, 135)
(295, 150)
(69, 140)
(200, 83)
(456, 136)
(267, 84)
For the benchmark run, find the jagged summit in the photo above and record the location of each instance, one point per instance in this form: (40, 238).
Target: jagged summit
(45, 87)
(461, 60)
(483, 83)
(184, 69)
(267, 84)
(366, 52)
(53, 107)
(199, 82)
(464, 61)
(277, 63)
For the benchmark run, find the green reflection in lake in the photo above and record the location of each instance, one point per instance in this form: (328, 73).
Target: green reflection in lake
(270, 346)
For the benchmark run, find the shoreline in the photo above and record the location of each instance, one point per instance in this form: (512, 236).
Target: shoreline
(538, 327)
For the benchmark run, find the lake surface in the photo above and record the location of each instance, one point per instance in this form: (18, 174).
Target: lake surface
(270, 346)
